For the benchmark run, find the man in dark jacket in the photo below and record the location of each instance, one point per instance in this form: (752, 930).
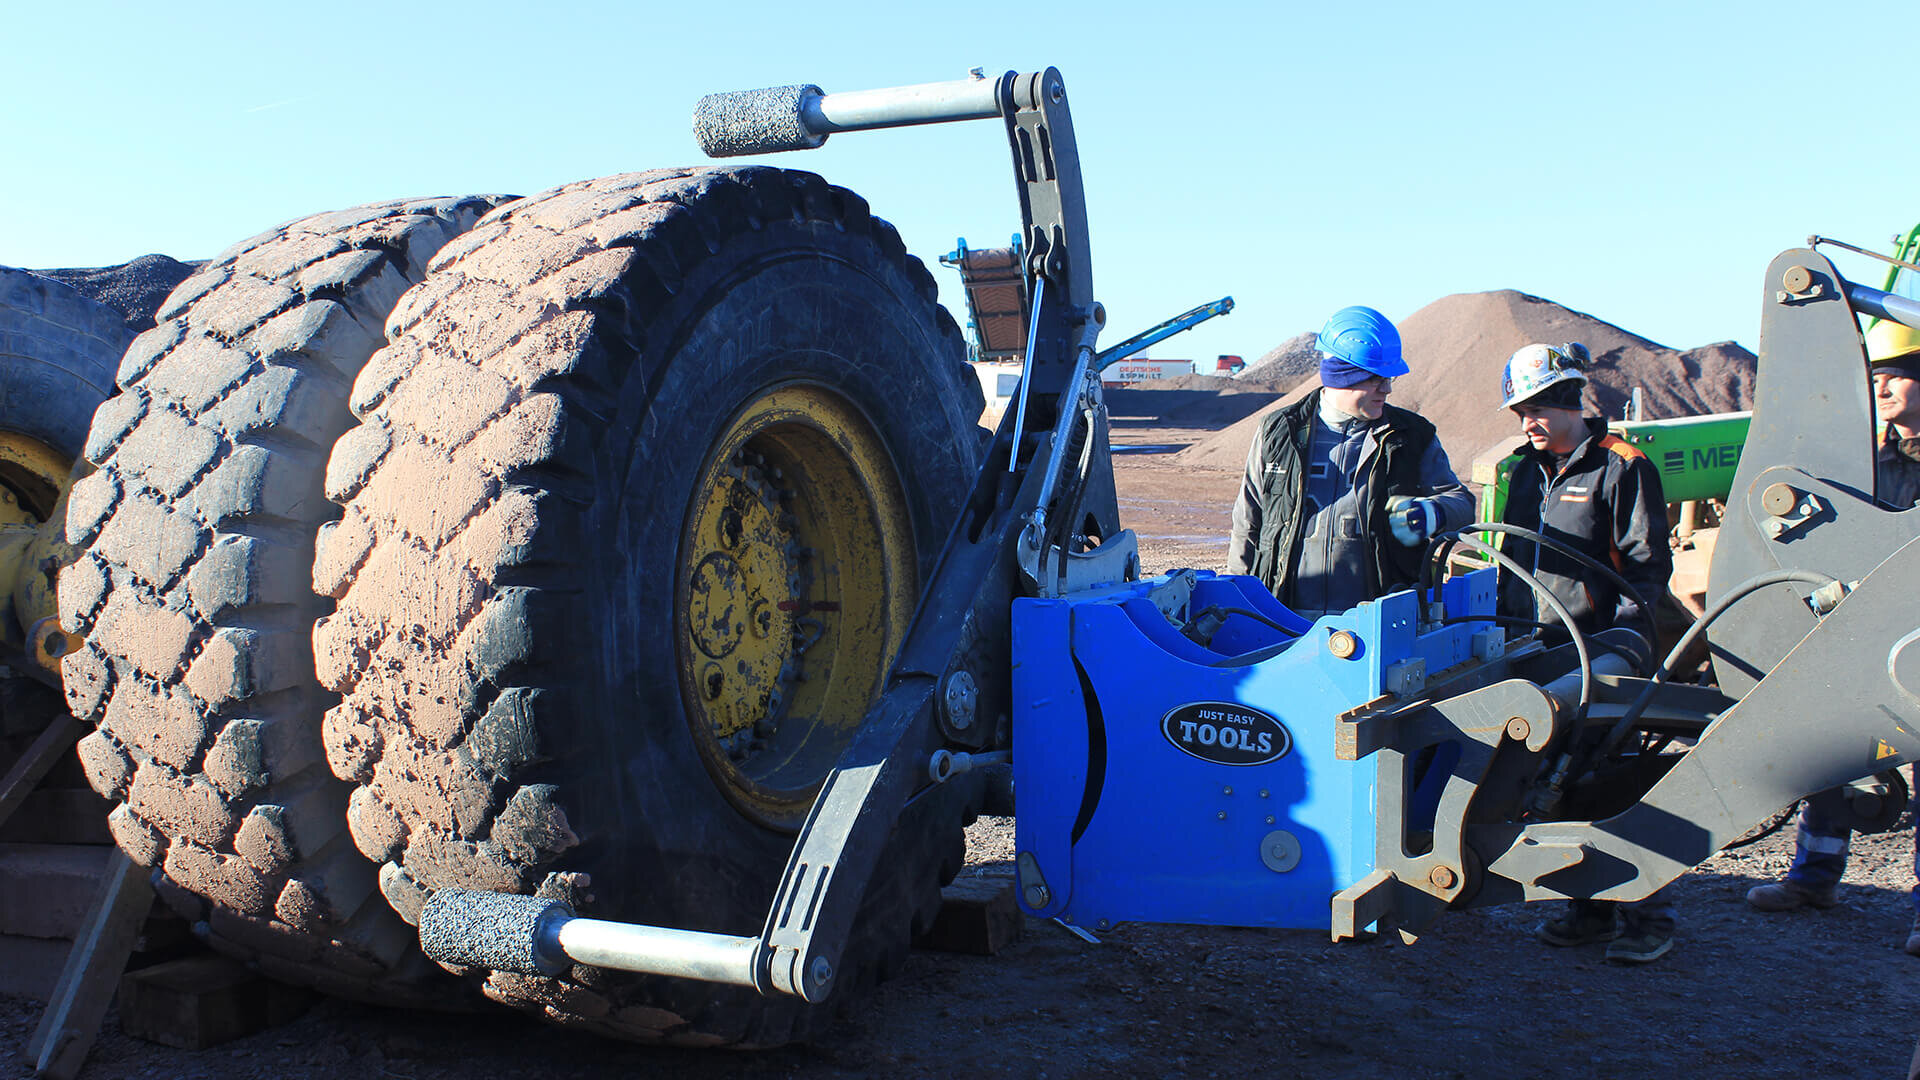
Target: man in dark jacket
(1592, 491)
(1820, 847)
(1578, 484)
(1342, 489)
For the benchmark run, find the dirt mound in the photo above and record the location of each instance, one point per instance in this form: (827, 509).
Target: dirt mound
(1458, 346)
(134, 289)
(1289, 362)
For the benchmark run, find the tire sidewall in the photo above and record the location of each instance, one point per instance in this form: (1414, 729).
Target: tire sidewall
(793, 302)
(58, 355)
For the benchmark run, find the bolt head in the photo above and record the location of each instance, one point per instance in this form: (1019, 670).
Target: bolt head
(820, 971)
(1037, 896)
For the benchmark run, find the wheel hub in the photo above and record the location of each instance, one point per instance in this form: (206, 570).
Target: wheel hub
(797, 579)
(741, 601)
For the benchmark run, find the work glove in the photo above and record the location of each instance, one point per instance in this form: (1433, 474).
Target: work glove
(1413, 520)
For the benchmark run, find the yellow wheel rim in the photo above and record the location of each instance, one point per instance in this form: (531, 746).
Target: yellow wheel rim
(796, 580)
(39, 474)
(34, 479)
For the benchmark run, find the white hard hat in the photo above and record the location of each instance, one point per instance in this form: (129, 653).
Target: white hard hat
(1533, 368)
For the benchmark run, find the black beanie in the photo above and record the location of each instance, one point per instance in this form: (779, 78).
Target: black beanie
(1564, 394)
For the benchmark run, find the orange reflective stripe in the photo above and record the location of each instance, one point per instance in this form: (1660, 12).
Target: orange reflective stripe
(1622, 447)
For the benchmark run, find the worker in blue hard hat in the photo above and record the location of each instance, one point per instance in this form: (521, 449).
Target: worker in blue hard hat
(1591, 493)
(1822, 838)
(1342, 490)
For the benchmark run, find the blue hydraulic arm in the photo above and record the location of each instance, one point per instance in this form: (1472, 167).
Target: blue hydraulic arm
(1185, 321)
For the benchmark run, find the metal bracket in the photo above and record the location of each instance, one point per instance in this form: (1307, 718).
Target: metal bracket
(1362, 904)
(1363, 730)
(1406, 678)
(1787, 508)
(1114, 562)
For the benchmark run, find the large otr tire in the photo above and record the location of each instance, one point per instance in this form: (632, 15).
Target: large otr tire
(196, 600)
(644, 489)
(58, 351)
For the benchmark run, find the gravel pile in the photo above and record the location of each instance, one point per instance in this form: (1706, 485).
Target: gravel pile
(135, 289)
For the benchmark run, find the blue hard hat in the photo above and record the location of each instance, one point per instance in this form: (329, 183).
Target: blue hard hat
(1364, 338)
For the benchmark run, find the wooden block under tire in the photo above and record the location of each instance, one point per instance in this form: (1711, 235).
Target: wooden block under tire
(46, 889)
(978, 915)
(30, 966)
(204, 1001)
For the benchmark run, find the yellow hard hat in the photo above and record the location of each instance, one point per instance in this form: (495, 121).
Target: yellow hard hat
(1888, 341)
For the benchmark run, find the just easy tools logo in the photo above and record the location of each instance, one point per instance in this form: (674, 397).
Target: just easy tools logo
(1226, 734)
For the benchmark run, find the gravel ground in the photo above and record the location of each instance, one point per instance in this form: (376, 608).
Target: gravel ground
(1742, 995)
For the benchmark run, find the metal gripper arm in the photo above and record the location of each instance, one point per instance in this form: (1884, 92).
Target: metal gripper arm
(1826, 694)
(961, 630)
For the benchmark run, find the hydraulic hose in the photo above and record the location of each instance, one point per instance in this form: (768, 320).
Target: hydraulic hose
(1427, 571)
(1560, 611)
(1216, 609)
(1734, 595)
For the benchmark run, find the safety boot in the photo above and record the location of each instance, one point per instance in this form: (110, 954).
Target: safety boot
(1913, 938)
(1642, 946)
(1790, 895)
(1583, 923)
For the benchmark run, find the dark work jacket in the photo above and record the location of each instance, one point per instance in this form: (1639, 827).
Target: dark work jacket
(1898, 476)
(1607, 503)
(1268, 518)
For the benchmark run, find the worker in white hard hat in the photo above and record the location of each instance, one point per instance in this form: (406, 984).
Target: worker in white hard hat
(1821, 841)
(1594, 492)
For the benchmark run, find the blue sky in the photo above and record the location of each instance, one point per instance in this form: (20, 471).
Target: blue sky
(1641, 162)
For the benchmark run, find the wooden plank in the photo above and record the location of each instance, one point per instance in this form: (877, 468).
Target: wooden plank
(48, 749)
(978, 915)
(203, 1001)
(72, 1020)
